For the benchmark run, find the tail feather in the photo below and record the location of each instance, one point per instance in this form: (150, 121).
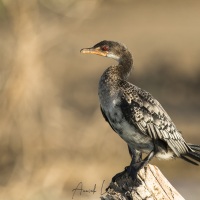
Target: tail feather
(193, 156)
(194, 147)
(188, 160)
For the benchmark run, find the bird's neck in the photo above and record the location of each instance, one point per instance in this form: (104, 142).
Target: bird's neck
(125, 65)
(121, 71)
(109, 82)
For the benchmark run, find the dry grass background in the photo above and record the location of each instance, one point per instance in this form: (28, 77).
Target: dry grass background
(52, 134)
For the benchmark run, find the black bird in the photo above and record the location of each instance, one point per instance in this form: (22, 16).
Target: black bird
(135, 115)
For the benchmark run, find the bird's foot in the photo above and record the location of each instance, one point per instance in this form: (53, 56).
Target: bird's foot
(127, 179)
(132, 172)
(120, 175)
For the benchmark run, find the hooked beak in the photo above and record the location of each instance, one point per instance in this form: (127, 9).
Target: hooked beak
(93, 51)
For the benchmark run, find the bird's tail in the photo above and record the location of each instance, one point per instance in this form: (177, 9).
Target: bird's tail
(193, 154)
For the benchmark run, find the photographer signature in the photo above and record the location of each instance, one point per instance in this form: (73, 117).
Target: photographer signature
(80, 190)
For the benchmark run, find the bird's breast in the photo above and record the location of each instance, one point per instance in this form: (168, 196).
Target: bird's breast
(128, 132)
(110, 101)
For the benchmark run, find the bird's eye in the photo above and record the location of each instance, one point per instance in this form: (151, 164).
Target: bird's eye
(105, 48)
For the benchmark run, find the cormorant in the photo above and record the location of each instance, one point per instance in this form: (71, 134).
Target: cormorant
(135, 115)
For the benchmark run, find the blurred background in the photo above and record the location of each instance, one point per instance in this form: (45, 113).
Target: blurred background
(52, 134)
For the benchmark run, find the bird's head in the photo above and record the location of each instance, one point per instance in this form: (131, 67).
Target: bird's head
(106, 48)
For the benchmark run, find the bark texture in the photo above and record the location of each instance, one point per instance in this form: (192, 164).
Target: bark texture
(151, 185)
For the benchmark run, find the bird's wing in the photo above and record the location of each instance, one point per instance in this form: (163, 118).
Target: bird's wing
(143, 111)
(105, 117)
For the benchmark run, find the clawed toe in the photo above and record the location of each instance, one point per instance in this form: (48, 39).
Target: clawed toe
(120, 174)
(130, 171)
(125, 180)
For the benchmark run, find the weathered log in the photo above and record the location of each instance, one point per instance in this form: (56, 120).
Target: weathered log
(151, 185)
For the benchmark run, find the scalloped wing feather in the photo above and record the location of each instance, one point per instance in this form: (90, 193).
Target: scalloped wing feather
(151, 119)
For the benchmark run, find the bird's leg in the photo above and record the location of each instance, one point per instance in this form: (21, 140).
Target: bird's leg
(135, 167)
(136, 157)
(136, 164)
